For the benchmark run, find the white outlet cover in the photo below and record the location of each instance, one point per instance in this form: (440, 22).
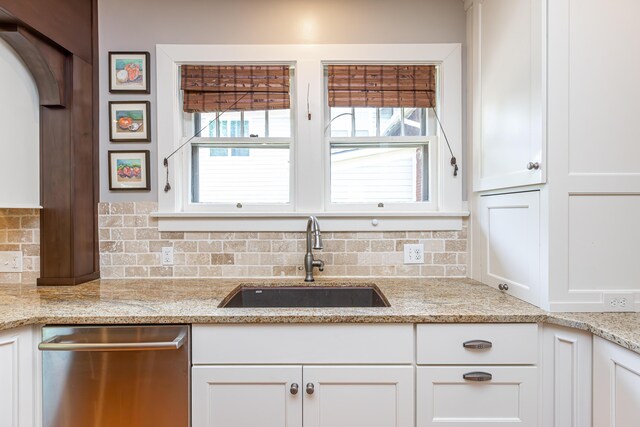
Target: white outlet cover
(619, 301)
(414, 253)
(167, 256)
(11, 262)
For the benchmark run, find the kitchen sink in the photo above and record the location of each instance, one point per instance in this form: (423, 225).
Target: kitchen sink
(304, 296)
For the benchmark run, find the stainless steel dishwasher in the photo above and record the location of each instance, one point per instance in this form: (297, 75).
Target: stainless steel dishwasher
(115, 376)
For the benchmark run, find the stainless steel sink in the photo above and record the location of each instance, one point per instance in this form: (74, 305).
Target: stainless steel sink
(304, 296)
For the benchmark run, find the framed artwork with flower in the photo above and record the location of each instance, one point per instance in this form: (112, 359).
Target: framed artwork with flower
(129, 121)
(129, 72)
(129, 170)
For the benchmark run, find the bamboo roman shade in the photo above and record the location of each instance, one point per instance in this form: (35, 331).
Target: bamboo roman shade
(211, 88)
(382, 86)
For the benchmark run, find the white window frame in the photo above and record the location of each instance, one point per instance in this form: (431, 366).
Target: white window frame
(309, 173)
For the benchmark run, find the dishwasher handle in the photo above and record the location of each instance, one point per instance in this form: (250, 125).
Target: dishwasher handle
(56, 343)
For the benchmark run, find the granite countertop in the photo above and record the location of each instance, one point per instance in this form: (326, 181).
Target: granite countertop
(197, 300)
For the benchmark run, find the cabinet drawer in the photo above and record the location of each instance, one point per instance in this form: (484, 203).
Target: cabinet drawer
(500, 344)
(300, 344)
(445, 398)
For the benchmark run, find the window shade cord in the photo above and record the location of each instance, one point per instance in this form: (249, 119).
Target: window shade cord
(167, 186)
(454, 161)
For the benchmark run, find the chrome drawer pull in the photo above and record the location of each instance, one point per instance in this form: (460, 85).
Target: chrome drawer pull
(477, 376)
(477, 344)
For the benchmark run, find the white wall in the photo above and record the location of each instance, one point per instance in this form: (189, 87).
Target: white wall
(19, 133)
(140, 25)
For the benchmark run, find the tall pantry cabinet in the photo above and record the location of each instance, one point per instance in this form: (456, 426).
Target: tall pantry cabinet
(553, 89)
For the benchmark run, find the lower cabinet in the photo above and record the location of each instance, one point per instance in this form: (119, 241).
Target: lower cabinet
(241, 396)
(566, 377)
(311, 375)
(309, 396)
(459, 396)
(17, 379)
(616, 385)
(477, 374)
(358, 396)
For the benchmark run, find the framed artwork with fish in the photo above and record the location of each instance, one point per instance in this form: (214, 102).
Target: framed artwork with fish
(129, 121)
(129, 170)
(129, 72)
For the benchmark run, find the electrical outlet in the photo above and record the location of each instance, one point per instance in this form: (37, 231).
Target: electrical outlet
(167, 256)
(621, 301)
(11, 262)
(414, 253)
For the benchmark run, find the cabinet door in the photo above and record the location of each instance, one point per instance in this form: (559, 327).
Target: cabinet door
(241, 396)
(510, 227)
(17, 397)
(616, 385)
(355, 396)
(566, 397)
(508, 92)
(508, 399)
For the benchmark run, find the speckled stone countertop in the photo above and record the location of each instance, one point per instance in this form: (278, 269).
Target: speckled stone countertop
(197, 300)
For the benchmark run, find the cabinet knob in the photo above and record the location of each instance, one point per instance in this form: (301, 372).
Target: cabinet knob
(503, 286)
(310, 388)
(294, 389)
(533, 165)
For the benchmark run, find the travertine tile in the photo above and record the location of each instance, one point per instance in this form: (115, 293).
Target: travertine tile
(129, 238)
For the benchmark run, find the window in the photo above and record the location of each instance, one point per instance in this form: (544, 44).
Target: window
(307, 150)
(238, 156)
(379, 155)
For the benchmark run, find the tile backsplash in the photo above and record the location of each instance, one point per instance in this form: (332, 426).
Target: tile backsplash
(131, 245)
(20, 231)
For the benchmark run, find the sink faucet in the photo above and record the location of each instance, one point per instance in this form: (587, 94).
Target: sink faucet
(313, 232)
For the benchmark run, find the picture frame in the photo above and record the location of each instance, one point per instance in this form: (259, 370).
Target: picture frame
(129, 170)
(129, 121)
(129, 72)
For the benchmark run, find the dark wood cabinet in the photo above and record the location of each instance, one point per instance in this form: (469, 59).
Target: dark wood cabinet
(57, 39)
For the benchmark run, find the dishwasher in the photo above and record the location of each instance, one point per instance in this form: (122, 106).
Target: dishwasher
(115, 376)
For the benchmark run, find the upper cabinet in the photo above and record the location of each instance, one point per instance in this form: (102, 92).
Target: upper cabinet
(554, 88)
(19, 133)
(508, 100)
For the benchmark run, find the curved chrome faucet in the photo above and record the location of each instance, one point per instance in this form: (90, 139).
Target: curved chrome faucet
(313, 232)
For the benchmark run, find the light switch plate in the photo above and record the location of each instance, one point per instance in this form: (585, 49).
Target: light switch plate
(11, 262)
(414, 253)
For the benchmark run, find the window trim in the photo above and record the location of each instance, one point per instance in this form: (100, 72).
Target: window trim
(307, 172)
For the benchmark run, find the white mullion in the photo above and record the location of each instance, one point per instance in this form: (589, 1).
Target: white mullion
(377, 122)
(266, 123)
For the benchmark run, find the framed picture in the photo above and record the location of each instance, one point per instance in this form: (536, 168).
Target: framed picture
(129, 170)
(129, 121)
(129, 72)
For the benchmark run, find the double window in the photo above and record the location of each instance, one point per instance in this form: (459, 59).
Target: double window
(275, 132)
(379, 134)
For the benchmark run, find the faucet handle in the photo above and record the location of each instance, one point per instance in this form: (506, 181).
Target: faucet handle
(318, 263)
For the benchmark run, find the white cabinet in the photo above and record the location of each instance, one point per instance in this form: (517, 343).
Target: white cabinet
(477, 374)
(509, 240)
(17, 379)
(343, 375)
(508, 396)
(358, 396)
(566, 379)
(241, 396)
(508, 102)
(542, 70)
(616, 385)
(19, 133)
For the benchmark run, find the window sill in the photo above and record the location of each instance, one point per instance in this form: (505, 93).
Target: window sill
(296, 221)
